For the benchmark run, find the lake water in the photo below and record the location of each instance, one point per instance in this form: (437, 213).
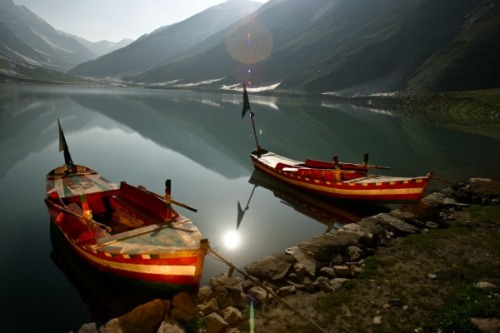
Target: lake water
(200, 141)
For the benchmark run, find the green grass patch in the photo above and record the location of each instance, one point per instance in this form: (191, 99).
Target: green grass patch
(465, 303)
(485, 214)
(370, 267)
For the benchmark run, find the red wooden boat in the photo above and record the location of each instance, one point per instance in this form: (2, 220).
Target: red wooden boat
(336, 179)
(124, 230)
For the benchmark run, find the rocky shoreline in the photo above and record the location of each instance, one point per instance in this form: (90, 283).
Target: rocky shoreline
(322, 264)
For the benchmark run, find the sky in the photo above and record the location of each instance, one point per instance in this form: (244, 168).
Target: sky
(114, 20)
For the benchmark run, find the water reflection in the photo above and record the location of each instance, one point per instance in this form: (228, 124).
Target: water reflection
(331, 212)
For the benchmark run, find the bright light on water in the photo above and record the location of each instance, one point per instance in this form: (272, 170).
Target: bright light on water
(232, 239)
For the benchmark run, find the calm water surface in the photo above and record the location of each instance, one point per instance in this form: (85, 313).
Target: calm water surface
(200, 141)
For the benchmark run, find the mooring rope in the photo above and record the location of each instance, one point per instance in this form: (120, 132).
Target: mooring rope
(270, 291)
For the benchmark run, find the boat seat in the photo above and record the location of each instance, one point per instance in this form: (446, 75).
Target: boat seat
(320, 164)
(96, 204)
(141, 205)
(281, 166)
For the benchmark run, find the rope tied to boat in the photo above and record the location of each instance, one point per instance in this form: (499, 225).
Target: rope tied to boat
(269, 291)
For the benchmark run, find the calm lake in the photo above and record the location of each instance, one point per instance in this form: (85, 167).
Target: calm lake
(200, 141)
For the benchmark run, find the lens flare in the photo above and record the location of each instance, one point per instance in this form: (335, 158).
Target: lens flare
(250, 43)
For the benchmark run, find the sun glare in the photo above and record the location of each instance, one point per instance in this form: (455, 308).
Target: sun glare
(231, 239)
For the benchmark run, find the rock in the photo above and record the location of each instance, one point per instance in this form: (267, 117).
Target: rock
(204, 294)
(112, 326)
(487, 324)
(271, 267)
(247, 284)
(327, 271)
(170, 326)
(342, 271)
(337, 260)
(227, 290)
(88, 328)
(371, 225)
(232, 330)
(260, 294)
(184, 307)
(404, 215)
(308, 284)
(209, 307)
(377, 320)
(480, 180)
(356, 270)
(351, 227)
(232, 316)
(323, 284)
(366, 239)
(306, 264)
(408, 217)
(396, 225)
(337, 283)
(485, 285)
(145, 318)
(439, 199)
(355, 253)
(322, 246)
(215, 323)
(431, 225)
(286, 290)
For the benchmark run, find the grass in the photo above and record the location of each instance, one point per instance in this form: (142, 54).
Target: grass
(397, 286)
(465, 303)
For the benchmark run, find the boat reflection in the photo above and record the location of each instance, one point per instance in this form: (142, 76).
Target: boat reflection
(107, 297)
(328, 211)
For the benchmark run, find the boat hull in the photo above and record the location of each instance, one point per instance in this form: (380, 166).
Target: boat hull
(369, 187)
(168, 256)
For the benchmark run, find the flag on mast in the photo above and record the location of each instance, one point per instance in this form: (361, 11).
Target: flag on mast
(63, 146)
(246, 101)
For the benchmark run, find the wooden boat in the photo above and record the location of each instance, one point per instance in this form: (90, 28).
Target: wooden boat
(336, 179)
(124, 230)
(336, 182)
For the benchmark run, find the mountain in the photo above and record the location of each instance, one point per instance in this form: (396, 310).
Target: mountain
(339, 47)
(433, 39)
(166, 43)
(36, 42)
(350, 47)
(102, 47)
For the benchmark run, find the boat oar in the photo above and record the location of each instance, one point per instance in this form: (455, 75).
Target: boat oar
(146, 230)
(168, 197)
(64, 209)
(369, 166)
(170, 200)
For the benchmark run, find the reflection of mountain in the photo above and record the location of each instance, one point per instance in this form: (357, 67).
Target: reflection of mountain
(205, 132)
(106, 297)
(330, 212)
(28, 123)
(207, 128)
